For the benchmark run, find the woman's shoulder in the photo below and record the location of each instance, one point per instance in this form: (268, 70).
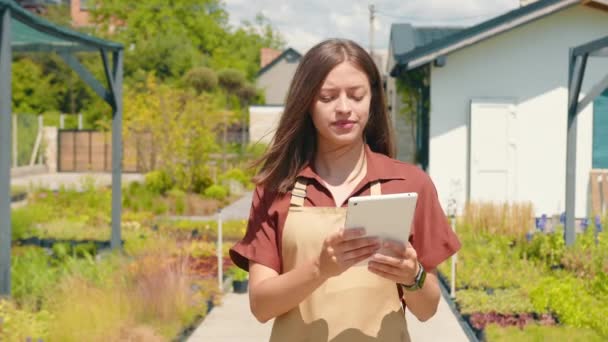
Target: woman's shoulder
(266, 197)
(391, 167)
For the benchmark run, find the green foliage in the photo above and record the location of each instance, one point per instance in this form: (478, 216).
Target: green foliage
(548, 248)
(138, 198)
(509, 301)
(32, 277)
(231, 230)
(247, 92)
(22, 224)
(179, 198)
(172, 39)
(158, 181)
(201, 79)
(237, 175)
(243, 46)
(539, 333)
(32, 88)
(237, 273)
(22, 325)
(216, 191)
(231, 80)
(179, 125)
(490, 261)
(573, 301)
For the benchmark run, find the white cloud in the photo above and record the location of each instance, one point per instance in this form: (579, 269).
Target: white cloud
(305, 23)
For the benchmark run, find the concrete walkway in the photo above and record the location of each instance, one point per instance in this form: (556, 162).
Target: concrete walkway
(54, 181)
(233, 321)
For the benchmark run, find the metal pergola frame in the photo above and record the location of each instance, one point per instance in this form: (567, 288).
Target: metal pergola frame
(577, 66)
(64, 42)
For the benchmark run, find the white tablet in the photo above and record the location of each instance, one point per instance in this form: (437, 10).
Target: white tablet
(385, 216)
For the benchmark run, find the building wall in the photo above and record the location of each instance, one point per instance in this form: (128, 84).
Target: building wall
(405, 138)
(263, 121)
(276, 80)
(530, 65)
(79, 17)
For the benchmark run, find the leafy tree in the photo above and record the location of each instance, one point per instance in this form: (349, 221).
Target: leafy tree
(32, 90)
(170, 39)
(174, 126)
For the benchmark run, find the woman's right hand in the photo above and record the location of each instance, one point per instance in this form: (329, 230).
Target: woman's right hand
(345, 248)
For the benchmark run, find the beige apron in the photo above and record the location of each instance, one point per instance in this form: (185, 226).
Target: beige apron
(355, 306)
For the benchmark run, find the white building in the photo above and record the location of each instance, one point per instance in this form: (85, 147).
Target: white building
(496, 125)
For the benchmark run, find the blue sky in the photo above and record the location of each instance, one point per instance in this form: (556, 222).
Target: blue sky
(304, 23)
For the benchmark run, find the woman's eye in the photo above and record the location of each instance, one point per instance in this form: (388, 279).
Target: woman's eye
(357, 98)
(325, 98)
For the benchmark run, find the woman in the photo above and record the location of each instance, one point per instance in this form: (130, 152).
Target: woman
(335, 141)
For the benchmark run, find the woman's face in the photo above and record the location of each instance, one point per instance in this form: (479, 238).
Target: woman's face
(341, 109)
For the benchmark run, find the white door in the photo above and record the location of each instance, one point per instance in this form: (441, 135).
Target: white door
(493, 151)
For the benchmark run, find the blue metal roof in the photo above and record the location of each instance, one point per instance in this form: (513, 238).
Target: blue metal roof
(405, 37)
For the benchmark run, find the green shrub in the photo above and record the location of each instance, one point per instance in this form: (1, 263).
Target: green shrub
(33, 277)
(539, 333)
(216, 191)
(237, 273)
(21, 324)
(158, 181)
(201, 79)
(509, 301)
(573, 301)
(200, 182)
(22, 223)
(548, 248)
(237, 175)
(179, 200)
(231, 230)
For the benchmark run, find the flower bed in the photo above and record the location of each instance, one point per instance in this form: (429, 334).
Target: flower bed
(66, 284)
(508, 282)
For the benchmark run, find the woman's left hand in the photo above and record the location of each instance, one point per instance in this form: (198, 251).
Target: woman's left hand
(400, 266)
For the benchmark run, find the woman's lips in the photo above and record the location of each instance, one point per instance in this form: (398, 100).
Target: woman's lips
(344, 124)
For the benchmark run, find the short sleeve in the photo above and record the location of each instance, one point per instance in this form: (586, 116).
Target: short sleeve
(260, 241)
(432, 236)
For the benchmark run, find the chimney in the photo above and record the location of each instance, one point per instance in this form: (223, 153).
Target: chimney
(523, 3)
(267, 55)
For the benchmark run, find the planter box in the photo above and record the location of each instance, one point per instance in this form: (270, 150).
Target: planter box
(240, 286)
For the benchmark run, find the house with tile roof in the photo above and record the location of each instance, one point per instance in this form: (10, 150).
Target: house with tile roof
(274, 77)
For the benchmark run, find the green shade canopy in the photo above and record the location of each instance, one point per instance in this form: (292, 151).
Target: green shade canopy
(32, 33)
(24, 32)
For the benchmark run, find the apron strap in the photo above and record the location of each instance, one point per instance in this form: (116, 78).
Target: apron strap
(376, 188)
(298, 194)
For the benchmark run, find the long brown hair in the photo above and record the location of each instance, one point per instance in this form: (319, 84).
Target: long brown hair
(295, 140)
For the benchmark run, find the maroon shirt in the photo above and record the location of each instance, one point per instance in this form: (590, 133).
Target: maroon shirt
(432, 237)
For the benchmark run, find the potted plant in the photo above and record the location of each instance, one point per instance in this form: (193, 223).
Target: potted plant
(240, 280)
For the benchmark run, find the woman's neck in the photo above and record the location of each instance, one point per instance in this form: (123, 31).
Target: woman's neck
(340, 165)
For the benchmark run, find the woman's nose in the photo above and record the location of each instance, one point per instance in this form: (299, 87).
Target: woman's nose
(343, 105)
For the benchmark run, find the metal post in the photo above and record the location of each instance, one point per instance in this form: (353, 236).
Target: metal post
(37, 144)
(220, 256)
(117, 150)
(454, 261)
(41, 128)
(575, 80)
(61, 121)
(15, 136)
(5, 152)
(80, 121)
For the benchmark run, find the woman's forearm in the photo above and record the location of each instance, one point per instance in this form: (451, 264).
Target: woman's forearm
(423, 303)
(273, 296)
